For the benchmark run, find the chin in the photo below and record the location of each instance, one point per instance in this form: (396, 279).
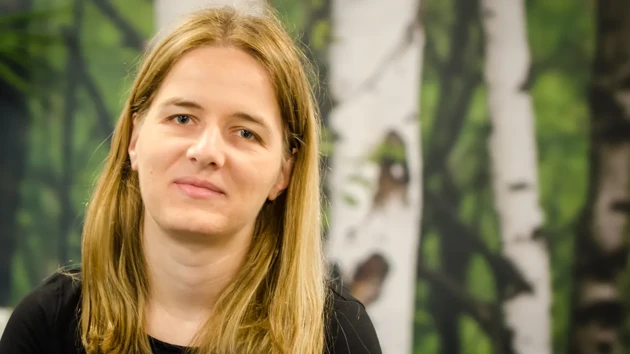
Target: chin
(196, 224)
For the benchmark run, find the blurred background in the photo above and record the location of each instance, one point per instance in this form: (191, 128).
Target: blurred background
(476, 157)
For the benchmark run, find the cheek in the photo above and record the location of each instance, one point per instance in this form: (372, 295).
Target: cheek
(258, 177)
(154, 159)
(153, 178)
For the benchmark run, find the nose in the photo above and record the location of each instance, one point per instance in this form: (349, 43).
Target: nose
(208, 148)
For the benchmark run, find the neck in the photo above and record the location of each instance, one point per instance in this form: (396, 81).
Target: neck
(186, 278)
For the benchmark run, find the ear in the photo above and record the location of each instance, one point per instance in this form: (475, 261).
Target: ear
(283, 178)
(133, 141)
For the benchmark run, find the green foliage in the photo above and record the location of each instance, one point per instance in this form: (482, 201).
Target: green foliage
(561, 37)
(423, 322)
(17, 42)
(327, 142)
(320, 34)
(561, 42)
(431, 250)
(481, 283)
(388, 151)
(293, 14)
(350, 200)
(12, 78)
(108, 63)
(474, 338)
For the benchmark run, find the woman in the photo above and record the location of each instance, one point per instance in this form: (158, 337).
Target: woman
(203, 232)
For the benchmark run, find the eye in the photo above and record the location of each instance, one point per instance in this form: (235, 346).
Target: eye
(182, 119)
(246, 134)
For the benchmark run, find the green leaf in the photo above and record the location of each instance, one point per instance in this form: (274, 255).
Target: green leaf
(12, 78)
(360, 180)
(350, 200)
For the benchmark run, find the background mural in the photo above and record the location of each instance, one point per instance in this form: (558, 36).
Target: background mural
(476, 156)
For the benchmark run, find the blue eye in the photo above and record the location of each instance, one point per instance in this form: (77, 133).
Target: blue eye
(246, 134)
(182, 119)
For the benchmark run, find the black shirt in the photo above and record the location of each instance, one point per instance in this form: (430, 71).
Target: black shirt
(45, 322)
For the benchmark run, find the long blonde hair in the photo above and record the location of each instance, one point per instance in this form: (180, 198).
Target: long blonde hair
(276, 303)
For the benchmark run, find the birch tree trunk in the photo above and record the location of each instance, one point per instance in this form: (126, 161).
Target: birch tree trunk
(5, 313)
(375, 177)
(601, 246)
(514, 172)
(169, 12)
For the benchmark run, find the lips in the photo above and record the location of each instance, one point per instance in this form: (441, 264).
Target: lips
(198, 188)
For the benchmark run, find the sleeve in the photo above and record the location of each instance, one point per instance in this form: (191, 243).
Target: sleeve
(351, 330)
(28, 330)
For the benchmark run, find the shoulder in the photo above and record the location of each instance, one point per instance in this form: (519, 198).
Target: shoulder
(350, 329)
(42, 320)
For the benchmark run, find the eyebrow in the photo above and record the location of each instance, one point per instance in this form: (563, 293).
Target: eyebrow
(253, 119)
(181, 102)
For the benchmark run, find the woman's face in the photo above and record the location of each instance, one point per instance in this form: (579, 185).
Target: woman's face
(209, 150)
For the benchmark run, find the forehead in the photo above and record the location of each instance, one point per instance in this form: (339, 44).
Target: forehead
(220, 63)
(222, 78)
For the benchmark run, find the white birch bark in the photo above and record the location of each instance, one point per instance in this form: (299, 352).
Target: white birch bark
(375, 70)
(514, 172)
(169, 12)
(5, 313)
